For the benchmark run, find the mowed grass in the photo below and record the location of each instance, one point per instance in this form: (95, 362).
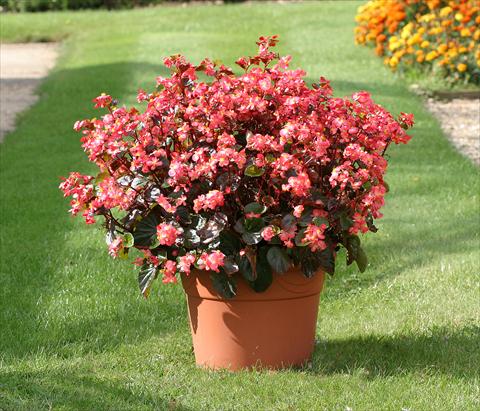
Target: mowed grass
(74, 333)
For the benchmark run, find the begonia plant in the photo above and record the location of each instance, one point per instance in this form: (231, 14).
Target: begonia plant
(237, 174)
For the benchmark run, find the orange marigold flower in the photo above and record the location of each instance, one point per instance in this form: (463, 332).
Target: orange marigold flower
(442, 48)
(431, 55)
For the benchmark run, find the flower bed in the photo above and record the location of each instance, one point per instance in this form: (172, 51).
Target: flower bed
(439, 37)
(239, 175)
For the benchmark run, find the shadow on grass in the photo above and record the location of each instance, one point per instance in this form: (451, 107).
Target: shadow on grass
(64, 389)
(452, 352)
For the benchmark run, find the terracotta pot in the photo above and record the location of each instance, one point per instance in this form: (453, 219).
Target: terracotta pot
(273, 329)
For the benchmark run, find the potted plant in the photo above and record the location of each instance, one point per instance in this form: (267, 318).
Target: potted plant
(245, 187)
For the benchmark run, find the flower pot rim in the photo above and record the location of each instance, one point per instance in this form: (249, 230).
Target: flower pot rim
(290, 285)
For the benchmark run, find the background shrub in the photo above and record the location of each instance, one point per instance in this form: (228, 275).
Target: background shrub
(436, 37)
(45, 5)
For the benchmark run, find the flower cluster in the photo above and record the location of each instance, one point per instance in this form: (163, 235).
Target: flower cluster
(440, 36)
(243, 174)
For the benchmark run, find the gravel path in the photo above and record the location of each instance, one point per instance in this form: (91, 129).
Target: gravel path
(22, 67)
(460, 120)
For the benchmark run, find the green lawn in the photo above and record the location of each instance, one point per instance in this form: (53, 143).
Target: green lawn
(74, 332)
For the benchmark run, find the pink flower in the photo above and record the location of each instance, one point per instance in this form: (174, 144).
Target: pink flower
(104, 100)
(209, 201)
(115, 247)
(79, 125)
(260, 142)
(167, 234)
(169, 270)
(212, 261)
(185, 262)
(268, 233)
(287, 235)
(242, 62)
(142, 96)
(150, 258)
(406, 120)
(359, 224)
(178, 171)
(226, 140)
(314, 237)
(299, 186)
(298, 210)
(165, 204)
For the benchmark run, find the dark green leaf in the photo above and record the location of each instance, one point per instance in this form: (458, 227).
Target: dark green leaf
(311, 262)
(327, 260)
(254, 225)
(299, 238)
(306, 218)
(229, 265)
(229, 180)
(275, 241)
(370, 224)
(254, 171)
(147, 274)
(230, 243)
(183, 215)
(239, 226)
(352, 244)
(245, 268)
(155, 243)
(213, 228)
(252, 238)
(318, 221)
(367, 186)
(355, 252)
(288, 221)
(278, 259)
(255, 208)
(361, 260)
(161, 254)
(198, 221)
(224, 285)
(317, 195)
(139, 181)
(191, 238)
(128, 240)
(146, 230)
(345, 221)
(264, 272)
